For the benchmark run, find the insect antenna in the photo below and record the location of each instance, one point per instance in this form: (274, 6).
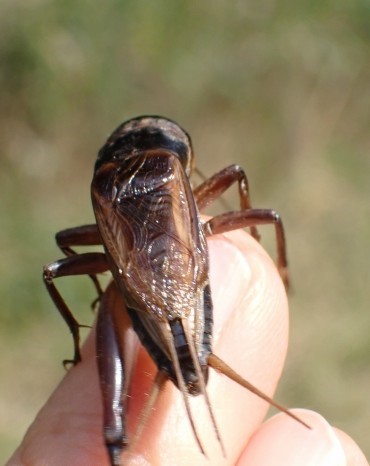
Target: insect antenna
(202, 384)
(182, 387)
(220, 366)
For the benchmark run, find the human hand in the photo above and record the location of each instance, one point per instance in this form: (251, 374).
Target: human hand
(250, 334)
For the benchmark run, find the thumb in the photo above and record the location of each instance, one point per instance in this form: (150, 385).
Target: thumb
(291, 445)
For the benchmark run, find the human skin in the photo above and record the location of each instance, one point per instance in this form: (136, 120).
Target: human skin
(251, 335)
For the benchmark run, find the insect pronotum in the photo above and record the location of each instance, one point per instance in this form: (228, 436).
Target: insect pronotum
(147, 219)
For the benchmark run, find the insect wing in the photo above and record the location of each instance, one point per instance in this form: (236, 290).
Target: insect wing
(150, 226)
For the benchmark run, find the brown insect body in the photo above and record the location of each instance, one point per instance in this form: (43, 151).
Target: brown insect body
(154, 241)
(155, 246)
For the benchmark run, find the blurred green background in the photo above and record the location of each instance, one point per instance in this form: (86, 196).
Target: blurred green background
(281, 88)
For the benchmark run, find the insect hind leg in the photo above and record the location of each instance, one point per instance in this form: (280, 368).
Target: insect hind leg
(241, 219)
(212, 188)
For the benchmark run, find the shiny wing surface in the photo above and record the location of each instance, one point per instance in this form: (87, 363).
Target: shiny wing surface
(149, 222)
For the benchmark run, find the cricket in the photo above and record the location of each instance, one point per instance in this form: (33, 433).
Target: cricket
(154, 239)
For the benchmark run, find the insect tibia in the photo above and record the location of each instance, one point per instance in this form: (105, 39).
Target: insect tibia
(220, 366)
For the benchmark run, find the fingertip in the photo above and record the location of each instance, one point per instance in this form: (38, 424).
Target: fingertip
(250, 308)
(282, 441)
(247, 290)
(354, 455)
(251, 332)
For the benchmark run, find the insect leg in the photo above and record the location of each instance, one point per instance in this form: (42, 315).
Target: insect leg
(246, 218)
(85, 235)
(214, 187)
(83, 264)
(112, 374)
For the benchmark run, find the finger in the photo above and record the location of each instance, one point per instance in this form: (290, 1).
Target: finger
(353, 454)
(291, 445)
(68, 428)
(250, 334)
